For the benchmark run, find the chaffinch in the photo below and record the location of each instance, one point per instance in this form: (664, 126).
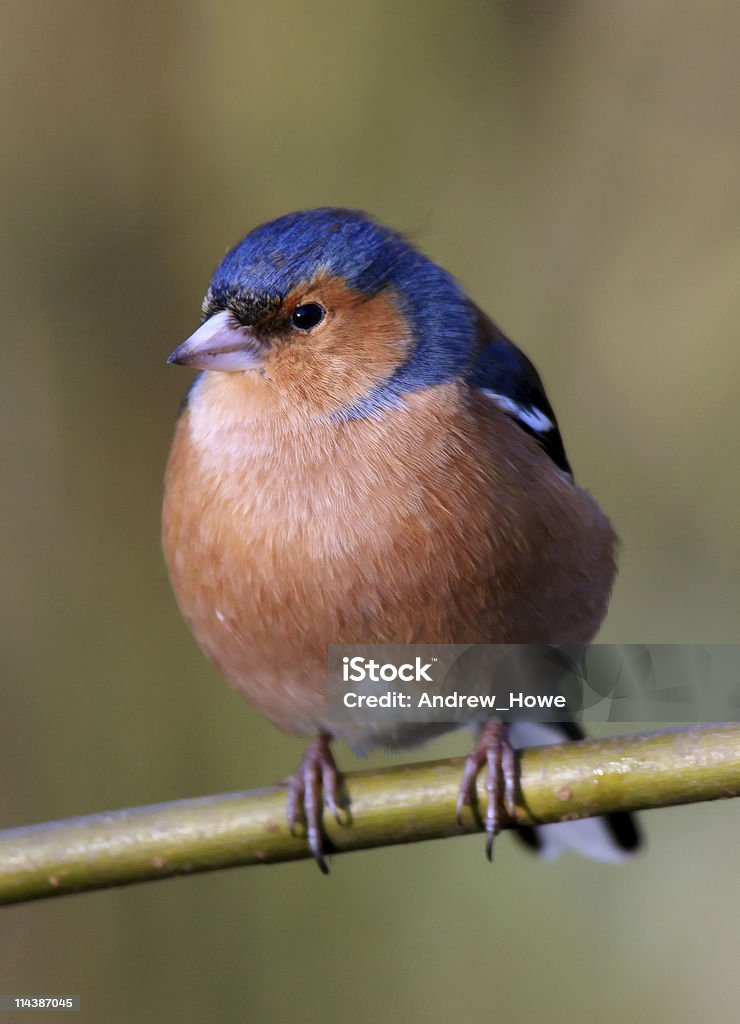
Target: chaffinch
(367, 458)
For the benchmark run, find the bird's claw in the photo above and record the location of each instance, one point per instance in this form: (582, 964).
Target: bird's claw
(317, 780)
(494, 750)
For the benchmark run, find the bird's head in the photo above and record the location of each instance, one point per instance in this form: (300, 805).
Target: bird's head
(334, 312)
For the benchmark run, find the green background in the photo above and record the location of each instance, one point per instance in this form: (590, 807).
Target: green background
(577, 165)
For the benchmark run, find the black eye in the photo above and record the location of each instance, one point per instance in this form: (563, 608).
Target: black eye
(307, 316)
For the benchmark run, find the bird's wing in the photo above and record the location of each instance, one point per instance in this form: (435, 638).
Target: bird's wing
(502, 372)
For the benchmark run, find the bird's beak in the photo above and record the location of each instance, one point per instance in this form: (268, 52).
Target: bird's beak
(220, 344)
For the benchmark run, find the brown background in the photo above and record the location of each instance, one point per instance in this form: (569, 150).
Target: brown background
(577, 165)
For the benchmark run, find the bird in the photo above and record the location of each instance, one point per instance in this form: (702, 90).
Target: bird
(365, 457)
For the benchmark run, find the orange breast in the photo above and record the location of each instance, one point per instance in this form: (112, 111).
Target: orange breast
(439, 522)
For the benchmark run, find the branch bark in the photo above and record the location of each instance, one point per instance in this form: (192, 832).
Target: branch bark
(402, 804)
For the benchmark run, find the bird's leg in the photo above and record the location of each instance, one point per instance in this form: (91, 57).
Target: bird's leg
(494, 750)
(316, 780)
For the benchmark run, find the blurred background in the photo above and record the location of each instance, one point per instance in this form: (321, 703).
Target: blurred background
(577, 166)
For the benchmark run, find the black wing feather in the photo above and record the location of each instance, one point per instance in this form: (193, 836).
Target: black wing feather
(501, 369)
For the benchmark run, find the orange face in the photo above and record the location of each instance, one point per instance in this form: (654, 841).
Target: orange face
(323, 368)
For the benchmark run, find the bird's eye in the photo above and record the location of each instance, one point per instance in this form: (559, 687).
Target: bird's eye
(307, 316)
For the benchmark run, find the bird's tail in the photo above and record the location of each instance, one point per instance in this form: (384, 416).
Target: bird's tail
(611, 838)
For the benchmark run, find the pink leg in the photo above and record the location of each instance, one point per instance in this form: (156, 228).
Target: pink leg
(316, 780)
(494, 750)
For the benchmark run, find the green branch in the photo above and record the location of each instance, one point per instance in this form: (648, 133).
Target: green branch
(394, 805)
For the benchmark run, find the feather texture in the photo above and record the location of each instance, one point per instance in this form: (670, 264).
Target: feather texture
(389, 470)
(440, 521)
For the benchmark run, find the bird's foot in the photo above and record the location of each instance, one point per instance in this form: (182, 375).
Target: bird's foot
(317, 780)
(494, 750)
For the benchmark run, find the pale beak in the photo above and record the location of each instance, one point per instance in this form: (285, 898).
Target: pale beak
(220, 344)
